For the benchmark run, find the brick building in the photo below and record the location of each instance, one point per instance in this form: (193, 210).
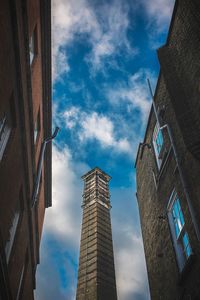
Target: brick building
(96, 275)
(25, 121)
(168, 164)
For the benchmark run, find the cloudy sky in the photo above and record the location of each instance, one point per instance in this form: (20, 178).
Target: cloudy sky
(103, 52)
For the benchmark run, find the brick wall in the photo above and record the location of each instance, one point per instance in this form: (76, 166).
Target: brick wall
(177, 93)
(21, 94)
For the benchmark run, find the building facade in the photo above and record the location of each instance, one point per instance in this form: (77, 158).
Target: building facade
(96, 275)
(168, 164)
(25, 121)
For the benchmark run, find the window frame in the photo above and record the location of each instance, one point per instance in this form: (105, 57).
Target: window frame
(178, 239)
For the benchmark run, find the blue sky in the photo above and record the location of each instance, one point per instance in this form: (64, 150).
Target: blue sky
(103, 52)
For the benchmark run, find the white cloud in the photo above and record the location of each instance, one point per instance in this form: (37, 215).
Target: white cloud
(101, 128)
(56, 275)
(134, 94)
(159, 11)
(63, 226)
(104, 27)
(95, 126)
(131, 276)
(113, 35)
(71, 117)
(130, 266)
(60, 64)
(63, 220)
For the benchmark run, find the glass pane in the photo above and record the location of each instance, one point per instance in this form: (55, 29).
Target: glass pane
(176, 210)
(186, 245)
(185, 240)
(188, 251)
(35, 132)
(12, 232)
(32, 47)
(178, 203)
(5, 130)
(178, 216)
(177, 229)
(159, 141)
(37, 127)
(182, 218)
(179, 225)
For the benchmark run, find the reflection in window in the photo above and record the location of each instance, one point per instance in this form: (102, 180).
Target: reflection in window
(178, 217)
(158, 143)
(37, 127)
(179, 234)
(32, 46)
(12, 230)
(5, 130)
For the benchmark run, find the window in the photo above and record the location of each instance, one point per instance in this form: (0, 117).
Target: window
(179, 234)
(37, 127)
(22, 277)
(5, 130)
(158, 143)
(33, 45)
(12, 231)
(20, 283)
(16, 215)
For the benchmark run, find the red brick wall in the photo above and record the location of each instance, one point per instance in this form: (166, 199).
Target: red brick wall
(21, 89)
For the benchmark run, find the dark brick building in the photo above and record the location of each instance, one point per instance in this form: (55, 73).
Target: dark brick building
(25, 121)
(96, 275)
(168, 164)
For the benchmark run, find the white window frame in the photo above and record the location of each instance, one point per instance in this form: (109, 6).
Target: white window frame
(157, 151)
(178, 243)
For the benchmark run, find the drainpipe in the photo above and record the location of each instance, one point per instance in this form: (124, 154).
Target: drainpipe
(183, 181)
(40, 164)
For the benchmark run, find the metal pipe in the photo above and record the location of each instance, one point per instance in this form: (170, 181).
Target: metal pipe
(39, 171)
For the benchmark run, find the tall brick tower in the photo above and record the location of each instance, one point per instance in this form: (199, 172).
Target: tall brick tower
(96, 276)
